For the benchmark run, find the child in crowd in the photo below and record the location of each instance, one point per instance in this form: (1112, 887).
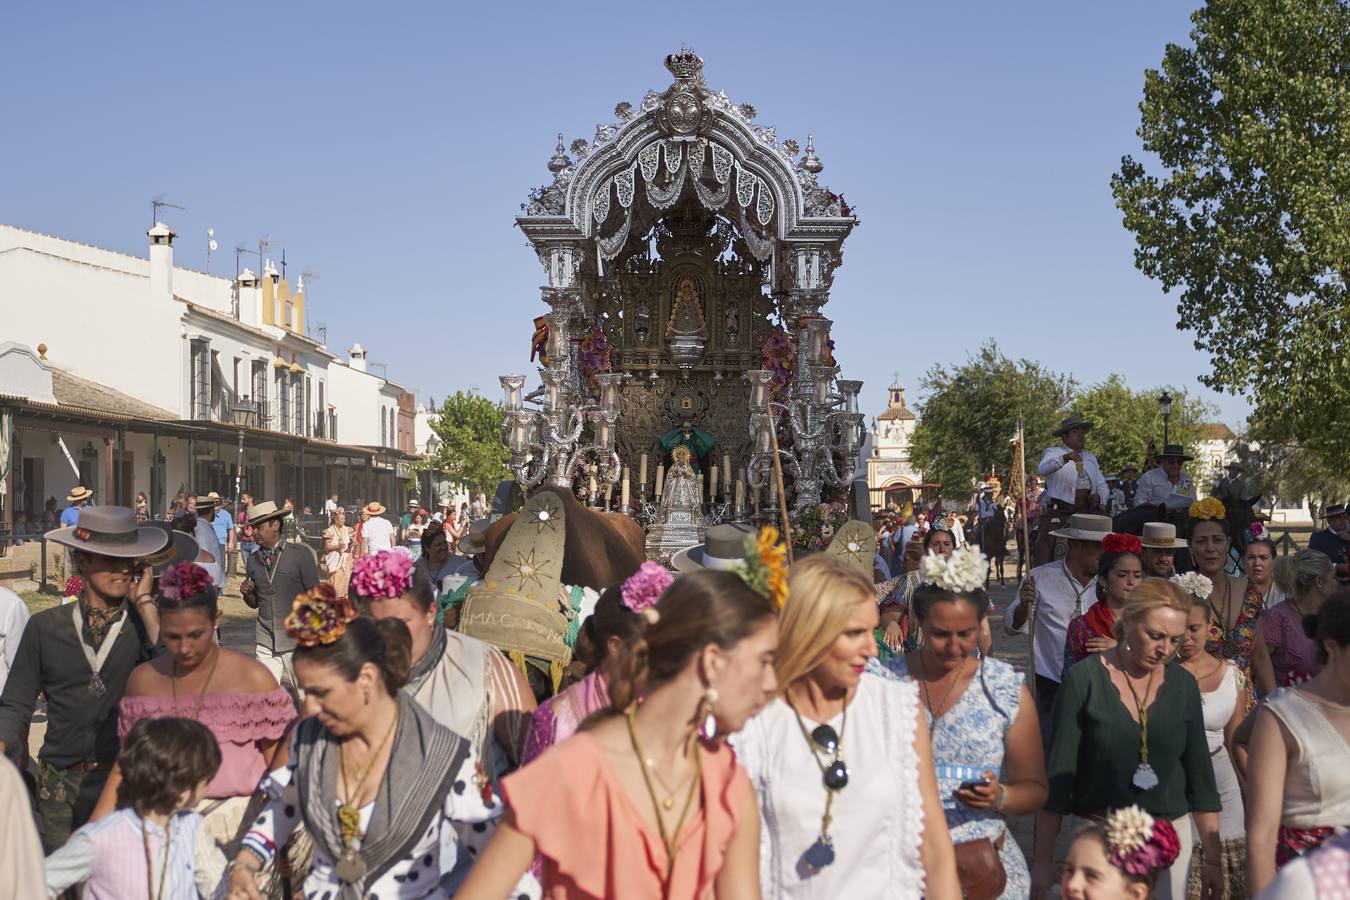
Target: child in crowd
(153, 845)
(1121, 859)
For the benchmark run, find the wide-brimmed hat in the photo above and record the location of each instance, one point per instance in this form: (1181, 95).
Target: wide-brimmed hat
(1069, 424)
(111, 531)
(79, 494)
(856, 544)
(1161, 536)
(1236, 465)
(208, 500)
(723, 548)
(1335, 509)
(262, 512)
(516, 606)
(414, 504)
(182, 547)
(475, 542)
(1085, 527)
(1175, 451)
(1129, 468)
(374, 508)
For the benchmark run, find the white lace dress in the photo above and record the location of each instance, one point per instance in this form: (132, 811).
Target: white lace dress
(877, 818)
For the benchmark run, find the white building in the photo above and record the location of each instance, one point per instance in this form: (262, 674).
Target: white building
(1215, 448)
(130, 374)
(889, 464)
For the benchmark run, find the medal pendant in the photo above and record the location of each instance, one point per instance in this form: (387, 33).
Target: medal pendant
(820, 854)
(44, 794)
(1145, 778)
(350, 868)
(96, 686)
(60, 792)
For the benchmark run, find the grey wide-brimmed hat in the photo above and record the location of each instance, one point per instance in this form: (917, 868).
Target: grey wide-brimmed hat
(182, 547)
(111, 531)
(723, 548)
(1069, 424)
(1160, 536)
(1085, 527)
(475, 542)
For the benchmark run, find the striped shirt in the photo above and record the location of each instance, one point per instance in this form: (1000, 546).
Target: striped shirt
(109, 857)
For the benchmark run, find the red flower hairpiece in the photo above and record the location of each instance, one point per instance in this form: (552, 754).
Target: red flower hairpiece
(1121, 543)
(183, 580)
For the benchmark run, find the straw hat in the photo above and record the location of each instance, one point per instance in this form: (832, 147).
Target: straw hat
(1160, 536)
(111, 531)
(262, 512)
(856, 544)
(515, 607)
(1085, 527)
(208, 500)
(79, 494)
(723, 548)
(374, 508)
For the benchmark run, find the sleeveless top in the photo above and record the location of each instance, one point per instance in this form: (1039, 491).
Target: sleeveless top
(1317, 780)
(119, 856)
(880, 803)
(1219, 705)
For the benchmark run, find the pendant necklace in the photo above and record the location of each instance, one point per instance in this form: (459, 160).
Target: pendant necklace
(350, 867)
(667, 838)
(1223, 618)
(1144, 777)
(150, 861)
(201, 695)
(834, 775)
(927, 695)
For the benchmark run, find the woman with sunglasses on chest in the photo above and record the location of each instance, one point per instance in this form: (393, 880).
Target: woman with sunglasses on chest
(840, 760)
(986, 736)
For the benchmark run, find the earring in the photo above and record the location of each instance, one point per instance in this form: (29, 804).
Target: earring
(367, 697)
(705, 713)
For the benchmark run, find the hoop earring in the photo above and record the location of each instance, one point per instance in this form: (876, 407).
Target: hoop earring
(708, 727)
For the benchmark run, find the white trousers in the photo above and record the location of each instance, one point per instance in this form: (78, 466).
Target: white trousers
(279, 664)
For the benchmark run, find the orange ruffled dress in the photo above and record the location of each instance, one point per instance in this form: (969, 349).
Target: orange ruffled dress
(595, 844)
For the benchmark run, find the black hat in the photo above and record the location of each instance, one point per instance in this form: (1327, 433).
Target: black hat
(1175, 451)
(1335, 509)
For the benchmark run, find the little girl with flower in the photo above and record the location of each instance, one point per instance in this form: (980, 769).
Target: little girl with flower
(1119, 859)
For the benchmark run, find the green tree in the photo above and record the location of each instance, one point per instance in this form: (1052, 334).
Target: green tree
(1125, 420)
(471, 451)
(971, 412)
(1251, 217)
(1284, 469)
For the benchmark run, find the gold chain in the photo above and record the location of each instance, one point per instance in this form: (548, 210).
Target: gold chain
(1139, 705)
(928, 696)
(201, 695)
(667, 839)
(349, 814)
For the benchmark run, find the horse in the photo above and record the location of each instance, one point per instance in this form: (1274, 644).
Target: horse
(1238, 515)
(994, 544)
(601, 548)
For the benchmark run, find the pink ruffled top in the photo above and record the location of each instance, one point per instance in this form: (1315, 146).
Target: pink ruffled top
(238, 720)
(594, 842)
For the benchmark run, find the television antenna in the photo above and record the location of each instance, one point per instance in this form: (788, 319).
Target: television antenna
(306, 276)
(156, 203)
(321, 330)
(384, 369)
(266, 243)
(244, 248)
(211, 247)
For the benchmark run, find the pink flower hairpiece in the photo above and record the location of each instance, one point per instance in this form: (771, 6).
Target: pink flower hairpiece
(183, 580)
(385, 574)
(645, 586)
(1139, 843)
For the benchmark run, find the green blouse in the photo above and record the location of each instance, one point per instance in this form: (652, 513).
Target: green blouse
(1094, 750)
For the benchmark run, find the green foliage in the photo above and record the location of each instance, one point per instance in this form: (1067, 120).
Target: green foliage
(1126, 420)
(1280, 468)
(971, 412)
(1251, 217)
(471, 451)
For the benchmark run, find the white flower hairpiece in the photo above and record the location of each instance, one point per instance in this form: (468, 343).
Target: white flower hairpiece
(963, 571)
(1194, 583)
(1128, 829)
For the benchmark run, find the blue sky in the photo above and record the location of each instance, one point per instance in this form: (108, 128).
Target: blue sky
(389, 146)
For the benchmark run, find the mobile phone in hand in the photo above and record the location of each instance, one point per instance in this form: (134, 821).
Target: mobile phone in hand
(971, 785)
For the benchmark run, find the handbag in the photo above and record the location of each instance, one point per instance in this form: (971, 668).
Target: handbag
(979, 868)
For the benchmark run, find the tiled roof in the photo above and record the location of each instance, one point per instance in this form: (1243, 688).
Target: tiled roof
(896, 412)
(1215, 431)
(72, 390)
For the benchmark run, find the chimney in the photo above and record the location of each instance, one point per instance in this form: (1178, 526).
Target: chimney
(269, 294)
(246, 285)
(356, 357)
(161, 262)
(298, 301)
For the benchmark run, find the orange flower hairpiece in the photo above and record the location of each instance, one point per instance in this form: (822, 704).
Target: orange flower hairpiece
(765, 566)
(319, 616)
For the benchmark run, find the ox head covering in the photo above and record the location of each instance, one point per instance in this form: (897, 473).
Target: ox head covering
(856, 544)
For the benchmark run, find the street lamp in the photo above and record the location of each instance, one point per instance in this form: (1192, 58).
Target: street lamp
(1165, 407)
(241, 415)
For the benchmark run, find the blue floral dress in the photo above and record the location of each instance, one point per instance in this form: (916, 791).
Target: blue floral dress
(969, 739)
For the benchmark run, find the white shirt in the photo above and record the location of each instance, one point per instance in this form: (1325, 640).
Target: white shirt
(881, 801)
(1118, 504)
(1154, 488)
(1061, 480)
(1059, 597)
(329, 506)
(379, 534)
(13, 619)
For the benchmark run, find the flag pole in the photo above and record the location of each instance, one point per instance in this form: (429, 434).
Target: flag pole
(1020, 470)
(778, 477)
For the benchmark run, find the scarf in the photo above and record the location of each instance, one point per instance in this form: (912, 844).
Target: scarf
(424, 666)
(268, 555)
(1099, 619)
(423, 761)
(97, 622)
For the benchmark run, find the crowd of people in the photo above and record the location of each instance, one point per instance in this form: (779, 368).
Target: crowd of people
(418, 720)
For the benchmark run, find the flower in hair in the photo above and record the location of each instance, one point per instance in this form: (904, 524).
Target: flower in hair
(964, 570)
(645, 586)
(765, 566)
(1257, 531)
(74, 586)
(319, 616)
(1194, 583)
(183, 580)
(1121, 543)
(1208, 508)
(1138, 843)
(384, 574)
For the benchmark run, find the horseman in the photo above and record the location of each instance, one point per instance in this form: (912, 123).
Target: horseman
(985, 508)
(1167, 484)
(1073, 484)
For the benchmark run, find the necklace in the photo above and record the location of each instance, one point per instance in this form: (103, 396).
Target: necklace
(150, 861)
(1227, 600)
(1078, 590)
(667, 802)
(668, 839)
(927, 695)
(351, 867)
(1144, 777)
(201, 695)
(834, 775)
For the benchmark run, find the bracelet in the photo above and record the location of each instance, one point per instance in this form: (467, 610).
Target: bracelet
(143, 599)
(1002, 796)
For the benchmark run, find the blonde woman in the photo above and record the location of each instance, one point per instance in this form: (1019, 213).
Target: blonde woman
(1129, 729)
(841, 757)
(337, 548)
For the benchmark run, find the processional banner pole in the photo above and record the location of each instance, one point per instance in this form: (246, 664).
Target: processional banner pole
(1019, 490)
(778, 476)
